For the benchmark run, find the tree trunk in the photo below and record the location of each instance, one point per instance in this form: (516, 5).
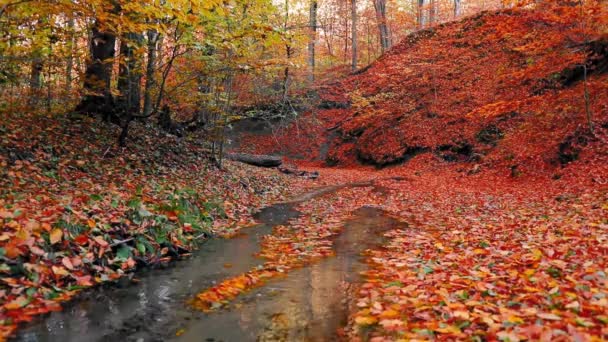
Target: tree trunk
(344, 14)
(312, 39)
(129, 77)
(380, 7)
(151, 63)
(70, 63)
(457, 8)
(35, 81)
(98, 74)
(353, 4)
(159, 51)
(286, 75)
(421, 15)
(432, 12)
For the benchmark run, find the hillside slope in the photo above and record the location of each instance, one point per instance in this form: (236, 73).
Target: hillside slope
(506, 85)
(498, 89)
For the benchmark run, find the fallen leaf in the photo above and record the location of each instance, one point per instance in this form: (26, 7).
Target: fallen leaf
(548, 316)
(55, 236)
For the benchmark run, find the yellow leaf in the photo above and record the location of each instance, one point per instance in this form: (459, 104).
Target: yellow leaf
(22, 234)
(389, 314)
(17, 303)
(60, 271)
(461, 314)
(515, 320)
(366, 320)
(529, 272)
(448, 330)
(56, 235)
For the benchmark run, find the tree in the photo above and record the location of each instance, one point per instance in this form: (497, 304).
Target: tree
(422, 17)
(129, 78)
(97, 78)
(353, 6)
(385, 40)
(313, 39)
(153, 38)
(457, 8)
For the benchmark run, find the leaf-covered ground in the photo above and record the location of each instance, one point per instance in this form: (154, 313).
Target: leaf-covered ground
(500, 179)
(502, 261)
(482, 258)
(76, 211)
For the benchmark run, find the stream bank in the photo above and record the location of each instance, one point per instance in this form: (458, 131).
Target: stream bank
(309, 304)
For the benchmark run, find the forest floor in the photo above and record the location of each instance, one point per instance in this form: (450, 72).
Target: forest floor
(497, 259)
(492, 255)
(488, 258)
(76, 210)
(486, 150)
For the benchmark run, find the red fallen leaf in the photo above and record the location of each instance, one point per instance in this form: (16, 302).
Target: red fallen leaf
(81, 239)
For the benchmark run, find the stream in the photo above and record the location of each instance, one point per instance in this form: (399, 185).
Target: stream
(309, 304)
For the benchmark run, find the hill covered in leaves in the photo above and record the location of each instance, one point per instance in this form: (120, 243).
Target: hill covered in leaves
(514, 90)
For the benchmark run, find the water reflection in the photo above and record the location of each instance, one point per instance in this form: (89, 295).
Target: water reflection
(154, 308)
(308, 305)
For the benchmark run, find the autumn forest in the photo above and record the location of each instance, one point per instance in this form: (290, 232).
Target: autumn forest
(303, 170)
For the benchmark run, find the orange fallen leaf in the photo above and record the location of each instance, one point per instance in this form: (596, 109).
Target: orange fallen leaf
(101, 241)
(366, 320)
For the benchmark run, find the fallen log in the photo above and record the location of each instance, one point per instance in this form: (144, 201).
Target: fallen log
(255, 159)
(301, 173)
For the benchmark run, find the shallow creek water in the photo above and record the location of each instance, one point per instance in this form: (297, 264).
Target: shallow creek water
(309, 304)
